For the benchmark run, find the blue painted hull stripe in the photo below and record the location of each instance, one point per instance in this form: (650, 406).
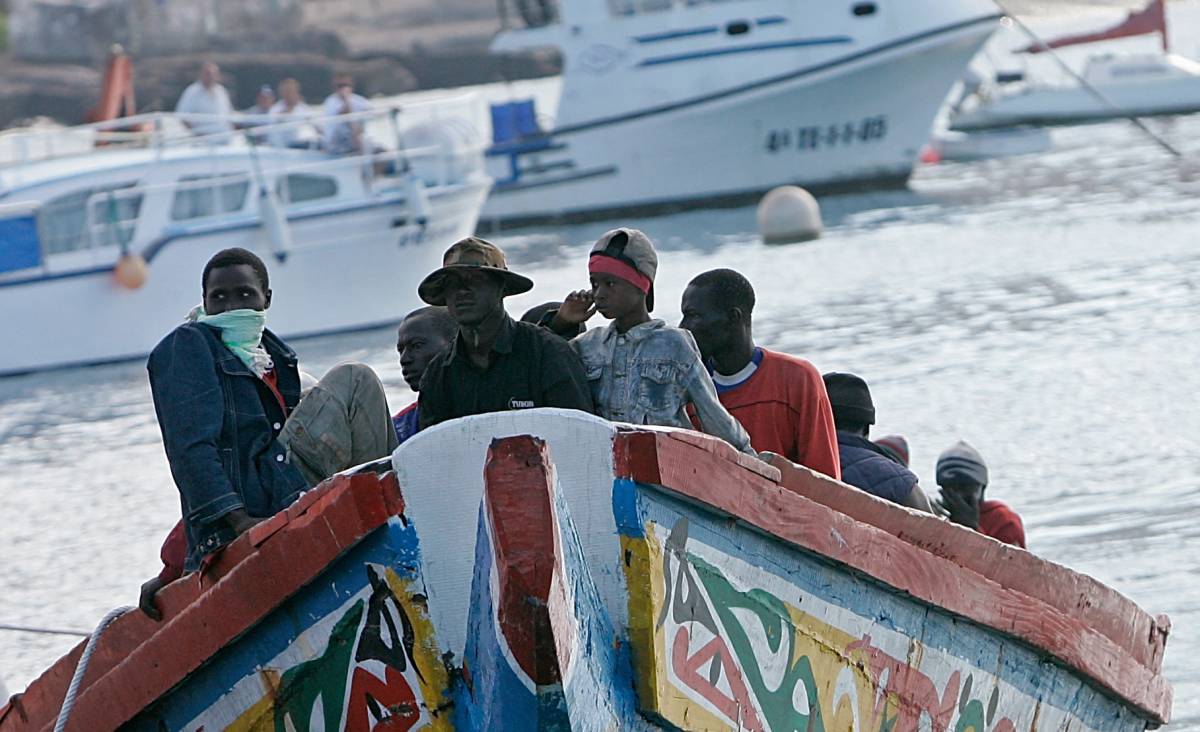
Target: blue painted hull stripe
(672, 35)
(775, 46)
(771, 20)
(775, 80)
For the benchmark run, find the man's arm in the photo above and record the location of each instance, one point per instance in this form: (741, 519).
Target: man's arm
(433, 405)
(564, 381)
(190, 407)
(714, 418)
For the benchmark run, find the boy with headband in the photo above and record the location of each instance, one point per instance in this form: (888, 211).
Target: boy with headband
(640, 370)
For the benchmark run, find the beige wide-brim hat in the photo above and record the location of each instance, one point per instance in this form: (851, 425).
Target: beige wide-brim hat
(472, 253)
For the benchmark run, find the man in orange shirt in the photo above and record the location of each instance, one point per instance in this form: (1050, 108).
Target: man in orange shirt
(779, 399)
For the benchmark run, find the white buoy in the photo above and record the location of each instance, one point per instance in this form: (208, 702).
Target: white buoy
(789, 214)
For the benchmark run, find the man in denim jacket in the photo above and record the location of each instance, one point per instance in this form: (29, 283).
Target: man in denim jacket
(640, 370)
(240, 443)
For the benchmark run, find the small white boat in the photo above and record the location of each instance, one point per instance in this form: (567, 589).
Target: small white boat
(667, 104)
(101, 251)
(987, 144)
(1110, 86)
(1142, 85)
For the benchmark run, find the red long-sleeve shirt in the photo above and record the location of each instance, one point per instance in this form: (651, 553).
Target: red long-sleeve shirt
(785, 408)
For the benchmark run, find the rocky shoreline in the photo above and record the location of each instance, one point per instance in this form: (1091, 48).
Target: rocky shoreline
(388, 52)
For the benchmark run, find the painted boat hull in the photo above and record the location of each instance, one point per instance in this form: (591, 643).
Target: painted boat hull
(352, 268)
(549, 570)
(826, 125)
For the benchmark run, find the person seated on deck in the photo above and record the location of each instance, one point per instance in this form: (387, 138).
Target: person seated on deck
(258, 114)
(865, 465)
(344, 138)
(240, 442)
(207, 97)
(423, 334)
(780, 399)
(963, 478)
(640, 369)
(495, 363)
(289, 108)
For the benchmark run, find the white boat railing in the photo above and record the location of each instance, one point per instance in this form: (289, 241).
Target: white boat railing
(111, 216)
(165, 130)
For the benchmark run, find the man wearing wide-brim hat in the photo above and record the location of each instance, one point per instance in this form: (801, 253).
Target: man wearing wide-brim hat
(495, 363)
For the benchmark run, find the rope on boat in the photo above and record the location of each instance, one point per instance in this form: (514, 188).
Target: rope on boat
(81, 668)
(1087, 86)
(45, 631)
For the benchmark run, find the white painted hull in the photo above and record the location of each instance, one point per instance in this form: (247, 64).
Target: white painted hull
(362, 270)
(984, 145)
(1051, 106)
(864, 120)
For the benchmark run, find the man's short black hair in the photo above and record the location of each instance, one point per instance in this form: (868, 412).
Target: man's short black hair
(731, 289)
(439, 317)
(233, 256)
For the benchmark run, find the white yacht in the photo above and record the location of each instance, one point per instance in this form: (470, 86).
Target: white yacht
(101, 248)
(1141, 85)
(672, 103)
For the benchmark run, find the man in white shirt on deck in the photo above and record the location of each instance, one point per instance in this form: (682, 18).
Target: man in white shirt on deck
(206, 96)
(289, 108)
(344, 138)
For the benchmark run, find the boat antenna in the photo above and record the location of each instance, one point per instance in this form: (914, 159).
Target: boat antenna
(1112, 106)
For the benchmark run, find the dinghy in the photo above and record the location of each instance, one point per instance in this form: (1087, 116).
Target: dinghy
(546, 569)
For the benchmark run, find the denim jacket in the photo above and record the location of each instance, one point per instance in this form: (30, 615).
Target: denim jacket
(649, 374)
(220, 434)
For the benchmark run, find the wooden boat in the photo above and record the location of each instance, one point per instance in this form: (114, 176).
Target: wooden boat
(549, 570)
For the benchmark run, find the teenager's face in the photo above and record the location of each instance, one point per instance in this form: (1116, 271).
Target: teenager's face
(708, 323)
(234, 287)
(615, 298)
(417, 342)
(472, 295)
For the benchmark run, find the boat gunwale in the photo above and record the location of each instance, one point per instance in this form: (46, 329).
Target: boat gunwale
(904, 559)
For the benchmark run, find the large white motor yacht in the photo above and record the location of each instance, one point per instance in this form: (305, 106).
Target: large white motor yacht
(674, 103)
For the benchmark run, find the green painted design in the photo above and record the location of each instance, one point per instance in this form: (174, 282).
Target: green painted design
(776, 624)
(971, 718)
(324, 677)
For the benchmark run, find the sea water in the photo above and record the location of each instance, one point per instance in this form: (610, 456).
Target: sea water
(1045, 308)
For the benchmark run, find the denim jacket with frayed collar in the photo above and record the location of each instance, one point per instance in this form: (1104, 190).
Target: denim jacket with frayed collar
(649, 374)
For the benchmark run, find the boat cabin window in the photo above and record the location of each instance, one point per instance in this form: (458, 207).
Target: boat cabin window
(197, 196)
(638, 7)
(101, 216)
(301, 187)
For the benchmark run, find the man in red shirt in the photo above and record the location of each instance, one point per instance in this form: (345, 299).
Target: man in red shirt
(963, 477)
(779, 399)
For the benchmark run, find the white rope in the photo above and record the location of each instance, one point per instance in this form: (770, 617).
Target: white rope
(81, 668)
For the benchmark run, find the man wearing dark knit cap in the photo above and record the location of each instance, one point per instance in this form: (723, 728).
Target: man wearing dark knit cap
(494, 363)
(963, 477)
(865, 465)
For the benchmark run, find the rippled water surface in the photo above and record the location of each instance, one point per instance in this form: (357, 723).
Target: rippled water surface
(1045, 308)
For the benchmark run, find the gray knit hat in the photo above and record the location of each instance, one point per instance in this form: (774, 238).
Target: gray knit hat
(850, 397)
(961, 462)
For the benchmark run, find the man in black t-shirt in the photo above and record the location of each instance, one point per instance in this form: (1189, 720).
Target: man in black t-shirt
(495, 363)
